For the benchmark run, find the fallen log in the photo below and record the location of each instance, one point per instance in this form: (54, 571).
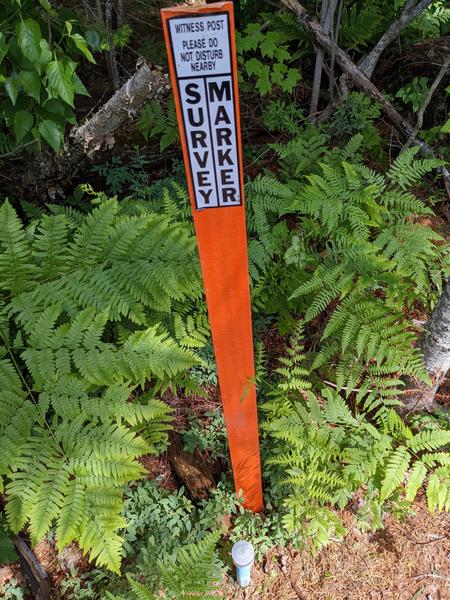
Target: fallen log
(33, 570)
(49, 170)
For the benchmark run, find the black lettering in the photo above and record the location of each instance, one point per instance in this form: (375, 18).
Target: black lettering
(222, 115)
(200, 119)
(223, 135)
(224, 89)
(202, 178)
(198, 138)
(229, 194)
(191, 91)
(206, 194)
(225, 176)
(201, 162)
(224, 156)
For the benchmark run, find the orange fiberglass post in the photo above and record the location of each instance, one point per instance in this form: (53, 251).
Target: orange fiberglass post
(203, 70)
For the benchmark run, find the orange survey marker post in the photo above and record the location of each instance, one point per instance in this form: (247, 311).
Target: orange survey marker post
(203, 70)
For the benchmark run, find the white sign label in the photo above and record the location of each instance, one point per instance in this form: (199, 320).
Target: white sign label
(202, 55)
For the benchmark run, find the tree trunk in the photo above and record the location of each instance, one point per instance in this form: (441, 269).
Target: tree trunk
(435, 344)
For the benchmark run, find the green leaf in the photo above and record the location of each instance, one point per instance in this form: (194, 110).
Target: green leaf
(51, 133)
(263, 83)
(46, 54)
(3, 47)
(446, 127)
(290, 81)
(397, 466)
(31, 84)
(249, 42)
(78, 86)
(23, 122)
(416, 479)
(28, 38)
(7, 552)
(253, 66)
(82, 46)
(59, 80)
(270, 43)
(93, 39)
(12, 88)
(47, 6)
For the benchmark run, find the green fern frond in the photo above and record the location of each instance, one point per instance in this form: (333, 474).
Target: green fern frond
(415, 480)
(406, 170)
(396, 469)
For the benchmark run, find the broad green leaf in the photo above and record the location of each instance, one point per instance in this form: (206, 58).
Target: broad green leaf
(82, 46)
(47, 6)
(254, 66)
(282, 54)
(3, 47)
(51, 133)
(290, 81)
(78, 86)
(278, 73)
(23, 122)
(59, 81)
(31, 83)
(12, 88)
(249, 42)
(446, 127)
(46, 54)
(28, 38)
(263, 83)
(55, 106)
(270, 42)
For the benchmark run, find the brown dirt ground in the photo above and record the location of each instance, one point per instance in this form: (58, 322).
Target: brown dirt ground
(408, 560)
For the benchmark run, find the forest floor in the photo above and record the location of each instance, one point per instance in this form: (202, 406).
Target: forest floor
(407, 560)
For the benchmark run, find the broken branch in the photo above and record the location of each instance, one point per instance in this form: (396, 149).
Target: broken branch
(360, 79)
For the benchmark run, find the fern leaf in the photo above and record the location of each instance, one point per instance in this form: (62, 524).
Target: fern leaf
(397, 466)
(415, 480)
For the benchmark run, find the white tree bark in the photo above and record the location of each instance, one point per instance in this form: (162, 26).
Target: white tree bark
(435, 345)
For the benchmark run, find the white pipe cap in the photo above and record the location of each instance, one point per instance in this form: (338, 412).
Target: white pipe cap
(242, 553)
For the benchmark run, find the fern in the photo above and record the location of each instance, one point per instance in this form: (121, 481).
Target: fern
(360, 24)
(85, 303)
(364, 261)
(321, 452)
(159, 121)
(405, 170)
